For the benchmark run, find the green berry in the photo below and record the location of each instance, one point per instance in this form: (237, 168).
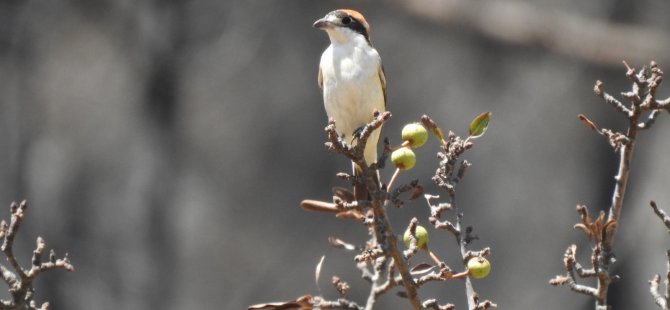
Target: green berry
(479, 267)
(403, 158)
(415, 134)
(421, 237)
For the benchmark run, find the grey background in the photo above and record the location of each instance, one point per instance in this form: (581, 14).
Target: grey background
(166, 145)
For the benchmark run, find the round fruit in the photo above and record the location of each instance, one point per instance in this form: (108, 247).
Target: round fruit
(403, 158)
(421, 235)
(415, 134)
(479, 267)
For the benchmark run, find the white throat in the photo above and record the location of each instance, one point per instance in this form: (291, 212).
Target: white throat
(346, 36)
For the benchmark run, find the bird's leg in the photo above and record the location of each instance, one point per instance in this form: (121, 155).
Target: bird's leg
(357, 133)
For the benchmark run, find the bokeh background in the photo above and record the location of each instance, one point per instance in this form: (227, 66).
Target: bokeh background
(166, 145)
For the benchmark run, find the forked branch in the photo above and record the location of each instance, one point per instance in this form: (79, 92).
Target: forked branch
(641, 112)
(18, 279)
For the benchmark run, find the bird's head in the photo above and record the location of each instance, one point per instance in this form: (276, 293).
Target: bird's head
(345, 26)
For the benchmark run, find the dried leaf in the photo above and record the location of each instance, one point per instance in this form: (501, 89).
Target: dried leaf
(437, 132)
(302, 303)
(584, 214)
(343, 193)
(418, 190)
(421, 269)
(317, 272)
(339, 244)
(608, 229)
(559, 280)
(350, 215)
(432, 127)
(286, 305)
(610, 225)
(479, 125)
(598, 224)
(586, 121)
(318, 206)
(584, 229)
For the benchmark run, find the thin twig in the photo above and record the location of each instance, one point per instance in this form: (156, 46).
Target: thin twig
(447, 177)
(663, 301)
(19, 280)
(383, 234)
(661, 214)
(600, 231)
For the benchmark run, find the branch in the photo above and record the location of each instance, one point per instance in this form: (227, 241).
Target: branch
(598, 90)
(450, 172)
(646, 81)
(659, 299)
(602, 232)
(383, 234)
(7, 245)
(340, 303)
(570, 263)
(432, 304)
(662, 301)
(661, 214)
(19, 280)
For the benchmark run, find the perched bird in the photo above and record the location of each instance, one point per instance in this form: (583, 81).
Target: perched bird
(352, 80)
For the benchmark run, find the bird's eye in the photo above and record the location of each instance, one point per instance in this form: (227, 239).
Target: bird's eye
(346, 20)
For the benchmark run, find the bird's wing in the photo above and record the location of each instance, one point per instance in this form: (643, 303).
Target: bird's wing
(320, 79)
(382, 79)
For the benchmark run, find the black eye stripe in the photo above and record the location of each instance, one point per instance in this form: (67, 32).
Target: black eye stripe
(352, 23)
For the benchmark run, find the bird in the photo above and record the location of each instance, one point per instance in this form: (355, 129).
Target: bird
(352, 81)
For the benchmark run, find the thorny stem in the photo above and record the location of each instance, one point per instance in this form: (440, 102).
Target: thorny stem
(7, 245)
(469, 289)
(623, 171)
(662, 300)
(389, 243)
(621, 182)
(383, 233)
(378, 266)
(449, 173)
(625, 156)
(642, 102)
(20, 280)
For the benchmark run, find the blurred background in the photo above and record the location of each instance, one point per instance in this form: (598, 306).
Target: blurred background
(166, 145)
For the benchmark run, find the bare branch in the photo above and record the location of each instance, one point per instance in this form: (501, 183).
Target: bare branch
(432, 304)
(651, 119)
(602, 231)
(661, 214)
(340, 303)
(598, 90)
(659, 299)
(7, 245)
(20, 280)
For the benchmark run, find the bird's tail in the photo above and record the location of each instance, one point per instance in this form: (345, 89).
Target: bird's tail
(360, 190)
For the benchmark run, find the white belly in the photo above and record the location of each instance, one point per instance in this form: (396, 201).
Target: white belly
(352, 91)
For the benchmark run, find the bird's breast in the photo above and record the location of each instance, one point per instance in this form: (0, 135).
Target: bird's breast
(352, 89)
(349, 64)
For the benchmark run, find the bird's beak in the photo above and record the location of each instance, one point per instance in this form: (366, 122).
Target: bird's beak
(322, 24)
